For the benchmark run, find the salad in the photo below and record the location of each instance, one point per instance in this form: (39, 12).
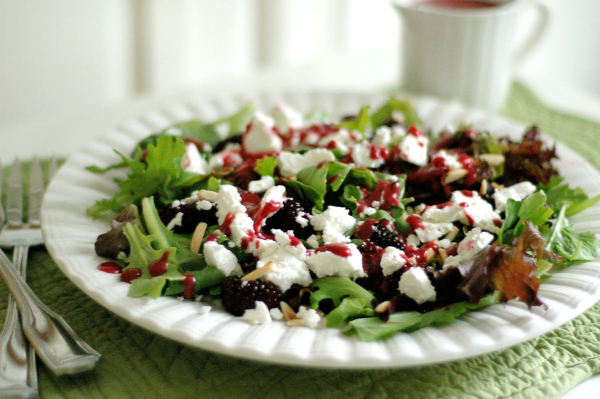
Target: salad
(366, 223)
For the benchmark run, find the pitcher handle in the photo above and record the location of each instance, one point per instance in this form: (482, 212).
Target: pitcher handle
(536, 34)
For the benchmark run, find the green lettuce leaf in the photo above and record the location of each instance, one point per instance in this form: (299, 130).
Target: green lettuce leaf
(384, 113)
(336, 288)
(561, 195)
(144, 250)
(158, 175)
(360, 122)
(182, 255)
(373, 328)
(265, 166)
(566, 242)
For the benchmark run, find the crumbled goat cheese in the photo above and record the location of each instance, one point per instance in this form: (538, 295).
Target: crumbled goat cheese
(326, 263)
(477, 211)
(242, 227)
(228, 201)
(413, 149)
(261, 137)
(367, 211)
(218, 256)
(313, 241)
(286, 118)
(302, 220)
(193, 162)
(386, 136)
(444, 243)
(290, 163)
(261, 185)
(431, 231)
(392, 260)
(259, 315)
(203, 205)
(361, 155)
(176, 221)
(443, 213)
(334, 222)
(517, 192)
(274, 194)
(474, 241)
(289, 262)
(450, 160)
(415, 284)
(310, 318)
(342, 140)
(276, 314)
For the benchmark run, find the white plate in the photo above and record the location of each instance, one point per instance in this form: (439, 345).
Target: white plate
(70, 236)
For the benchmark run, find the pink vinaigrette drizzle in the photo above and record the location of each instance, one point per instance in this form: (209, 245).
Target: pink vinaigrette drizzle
(110, 267)
(340, 250)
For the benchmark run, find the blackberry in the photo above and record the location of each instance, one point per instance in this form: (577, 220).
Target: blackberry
(238, 295)
(285, 220)
(384, 238)
(191, 216)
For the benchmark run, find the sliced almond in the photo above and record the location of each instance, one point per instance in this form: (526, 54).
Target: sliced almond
(295, 323)
(454, 175)
(198, 237)
(382, 307)
(412, 260)
(452, 234)
(207, 195)
(484, 187)
(443, 254)
(288, 312)
(493, 159)
(429, 255)
(258, 273)
(496, 186)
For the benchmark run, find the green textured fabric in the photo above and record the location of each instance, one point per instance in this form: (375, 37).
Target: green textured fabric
(140, 364)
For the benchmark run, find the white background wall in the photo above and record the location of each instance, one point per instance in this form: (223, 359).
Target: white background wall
(61, 57)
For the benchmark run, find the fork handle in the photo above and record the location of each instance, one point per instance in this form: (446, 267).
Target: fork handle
(55, 342)
(17, 379)
(18, 373)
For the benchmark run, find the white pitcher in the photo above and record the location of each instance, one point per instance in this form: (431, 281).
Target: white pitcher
(465, 54)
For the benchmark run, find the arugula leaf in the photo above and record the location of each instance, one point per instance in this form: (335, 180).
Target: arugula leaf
(208, 132)
(350, 197)
(373, 328)
(532, 208)
(205, 278)
(559, 195)
(304, 193)
(566, 242)
(360, 123)
(349, 308)
(335, 288)
(385, 112)
(265, 166)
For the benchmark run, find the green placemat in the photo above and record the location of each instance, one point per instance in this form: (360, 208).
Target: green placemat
(141, 364)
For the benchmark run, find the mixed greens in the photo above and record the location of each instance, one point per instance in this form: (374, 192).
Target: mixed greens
(367, 223)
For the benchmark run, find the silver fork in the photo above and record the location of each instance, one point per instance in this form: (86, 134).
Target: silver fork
(55, 342)
(18, 373)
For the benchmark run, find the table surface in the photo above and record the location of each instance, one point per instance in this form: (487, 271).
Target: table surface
(64, 135)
